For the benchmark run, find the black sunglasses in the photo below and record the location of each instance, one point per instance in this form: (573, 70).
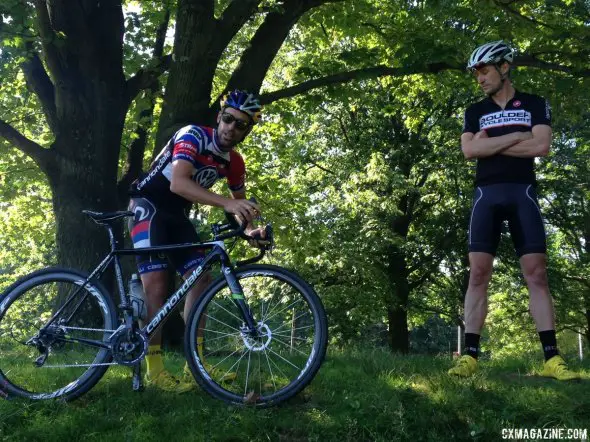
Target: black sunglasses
(228, 118)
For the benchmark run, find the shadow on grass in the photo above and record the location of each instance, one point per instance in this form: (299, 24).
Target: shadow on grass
(357, 395)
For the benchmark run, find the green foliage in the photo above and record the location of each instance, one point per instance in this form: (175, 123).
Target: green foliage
(360, 177)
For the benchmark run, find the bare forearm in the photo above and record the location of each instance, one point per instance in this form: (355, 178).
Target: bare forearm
(191, 191)
(487, 147)
(527, 149)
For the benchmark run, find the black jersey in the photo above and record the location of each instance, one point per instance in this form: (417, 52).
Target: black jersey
(522, 112)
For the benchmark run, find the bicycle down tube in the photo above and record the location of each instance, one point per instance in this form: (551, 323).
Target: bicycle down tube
(217, 254)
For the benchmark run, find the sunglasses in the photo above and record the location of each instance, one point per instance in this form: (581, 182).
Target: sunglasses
(229, 119)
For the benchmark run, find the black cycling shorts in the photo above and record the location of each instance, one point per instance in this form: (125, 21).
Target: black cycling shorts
(512, 202)
(152, 226)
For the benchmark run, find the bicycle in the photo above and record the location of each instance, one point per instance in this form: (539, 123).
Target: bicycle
(60, 331)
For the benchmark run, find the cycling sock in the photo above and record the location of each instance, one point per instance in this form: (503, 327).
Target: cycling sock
(549, 343)
(472, 344)
(154, 361)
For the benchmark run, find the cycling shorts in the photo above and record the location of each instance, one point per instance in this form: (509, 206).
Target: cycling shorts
(512, 202)
(152, 226)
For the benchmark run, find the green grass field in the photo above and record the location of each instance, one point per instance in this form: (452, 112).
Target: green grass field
(358, 395)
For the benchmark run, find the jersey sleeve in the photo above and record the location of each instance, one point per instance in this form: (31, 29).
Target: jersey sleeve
(236, 178)
(188, 143)
(470, 123)
(541, 112)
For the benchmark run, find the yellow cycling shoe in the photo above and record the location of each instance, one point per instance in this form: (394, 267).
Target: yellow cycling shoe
(466, 366)
(165, 381)
(557, 368)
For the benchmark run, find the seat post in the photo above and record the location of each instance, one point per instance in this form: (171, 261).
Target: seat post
(111, 237)
(118, 271)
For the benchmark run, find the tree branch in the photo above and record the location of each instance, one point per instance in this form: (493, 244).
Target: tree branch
(384, 71)
(48, 38)
(145, 78)
(506, 7)
(266, 42)
(39, 82)
(357, 74)
(235, 15)
(319, 167)
(29, 147)
(531, 60)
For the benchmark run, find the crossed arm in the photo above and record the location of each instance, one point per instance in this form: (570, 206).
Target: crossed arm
(517, 144)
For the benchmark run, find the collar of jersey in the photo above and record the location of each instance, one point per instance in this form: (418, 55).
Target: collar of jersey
(215, 150)
(516, 95)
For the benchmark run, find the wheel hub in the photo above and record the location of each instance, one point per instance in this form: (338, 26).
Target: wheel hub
(260, 341)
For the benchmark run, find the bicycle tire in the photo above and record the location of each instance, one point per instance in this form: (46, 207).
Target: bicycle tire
(308, 337)
(25, 307)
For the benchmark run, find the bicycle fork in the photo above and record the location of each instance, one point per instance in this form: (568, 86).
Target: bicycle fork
(237, 294)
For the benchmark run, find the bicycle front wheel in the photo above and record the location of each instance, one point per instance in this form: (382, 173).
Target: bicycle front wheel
(277, 363)
(44, 355)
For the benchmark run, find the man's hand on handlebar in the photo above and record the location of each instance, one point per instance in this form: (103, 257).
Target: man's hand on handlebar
(244, 210)
(258, 237)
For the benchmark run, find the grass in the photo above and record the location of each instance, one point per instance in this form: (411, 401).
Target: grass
(358, 395)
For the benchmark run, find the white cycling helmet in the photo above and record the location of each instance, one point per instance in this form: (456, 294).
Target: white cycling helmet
(490, 53)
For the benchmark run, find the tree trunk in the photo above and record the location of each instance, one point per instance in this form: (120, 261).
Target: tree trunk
(397, 310)
(85, 163)
(78, 186)
(399, 338)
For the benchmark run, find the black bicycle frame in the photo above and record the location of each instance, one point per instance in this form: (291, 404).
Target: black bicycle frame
(217, 253)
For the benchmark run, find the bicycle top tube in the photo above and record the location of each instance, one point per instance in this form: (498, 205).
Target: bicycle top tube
(169, 247)
(107, 220)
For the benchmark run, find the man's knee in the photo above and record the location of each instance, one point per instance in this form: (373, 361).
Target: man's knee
(535, 275)
(479, 275)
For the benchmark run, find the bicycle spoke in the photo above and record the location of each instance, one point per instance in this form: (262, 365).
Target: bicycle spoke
(277, 366)
(247, 374)
(272, 377)
(221, 322)
(289, 334)
(220, 333)
(282, 310)
(223, 308)
(288, 362)
(297, 328)
(224, 335)
(224, 359)
(289, 345)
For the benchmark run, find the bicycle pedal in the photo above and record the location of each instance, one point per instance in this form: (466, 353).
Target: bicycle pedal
(137, 381)
(138, 385)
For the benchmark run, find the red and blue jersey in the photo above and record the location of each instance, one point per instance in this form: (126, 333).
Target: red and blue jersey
(198, 146)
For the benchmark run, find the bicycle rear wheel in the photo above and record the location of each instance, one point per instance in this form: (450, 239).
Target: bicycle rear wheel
(41, 361)
(266, 369)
